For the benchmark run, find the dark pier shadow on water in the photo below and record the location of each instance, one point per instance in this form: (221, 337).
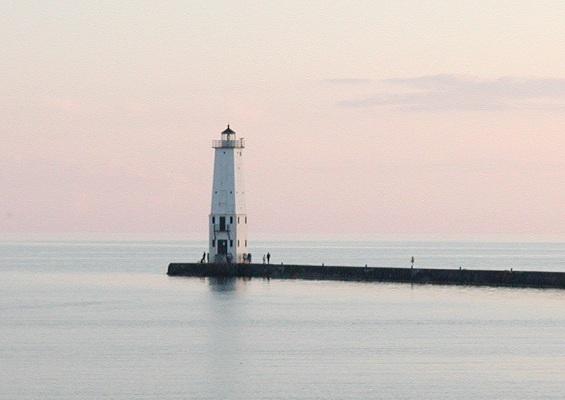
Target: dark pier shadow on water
(227, 284)
(222, 284)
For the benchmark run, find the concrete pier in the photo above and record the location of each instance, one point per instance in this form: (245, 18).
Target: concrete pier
(532, 279)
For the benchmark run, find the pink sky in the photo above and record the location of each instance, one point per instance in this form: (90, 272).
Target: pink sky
(413, 119)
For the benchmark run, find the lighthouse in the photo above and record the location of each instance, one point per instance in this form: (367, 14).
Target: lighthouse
(228, 216)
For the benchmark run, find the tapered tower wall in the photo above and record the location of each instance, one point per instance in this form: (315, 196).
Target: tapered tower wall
(228, 216)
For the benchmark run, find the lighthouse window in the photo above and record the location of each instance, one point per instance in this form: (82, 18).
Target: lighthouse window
(245, 219)
(245, 242)
(231, 243)
(213, 220)
(231, 220)
(238, 220)
(238, 243)
(213, 243)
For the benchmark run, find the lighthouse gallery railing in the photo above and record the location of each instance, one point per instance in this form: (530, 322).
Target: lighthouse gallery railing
(236, 143)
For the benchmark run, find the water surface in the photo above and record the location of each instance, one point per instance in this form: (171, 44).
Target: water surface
(90, 320)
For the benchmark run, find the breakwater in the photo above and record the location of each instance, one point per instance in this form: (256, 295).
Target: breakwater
(533, 279)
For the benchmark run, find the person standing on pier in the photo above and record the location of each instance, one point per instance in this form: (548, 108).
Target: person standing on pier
(268, 258)
(264, 258)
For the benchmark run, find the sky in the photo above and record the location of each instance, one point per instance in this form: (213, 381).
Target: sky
(363, 119)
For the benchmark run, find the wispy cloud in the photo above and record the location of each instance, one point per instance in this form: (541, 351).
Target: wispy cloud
(454, 93)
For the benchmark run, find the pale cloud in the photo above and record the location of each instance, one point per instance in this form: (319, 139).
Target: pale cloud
(460, 93)
(347, 81)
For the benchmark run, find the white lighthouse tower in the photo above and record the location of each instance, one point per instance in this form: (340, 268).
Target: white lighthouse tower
(228, 217)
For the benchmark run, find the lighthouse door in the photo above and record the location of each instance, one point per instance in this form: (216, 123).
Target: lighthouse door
(222, 247)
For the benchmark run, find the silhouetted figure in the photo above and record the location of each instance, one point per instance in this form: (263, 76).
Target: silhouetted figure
(203, 258)
(264, 258)
(412, 262)
(249, 258)
(268, 258)
(208, 258)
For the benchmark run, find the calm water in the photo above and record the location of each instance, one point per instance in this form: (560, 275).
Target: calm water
(91, 320)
